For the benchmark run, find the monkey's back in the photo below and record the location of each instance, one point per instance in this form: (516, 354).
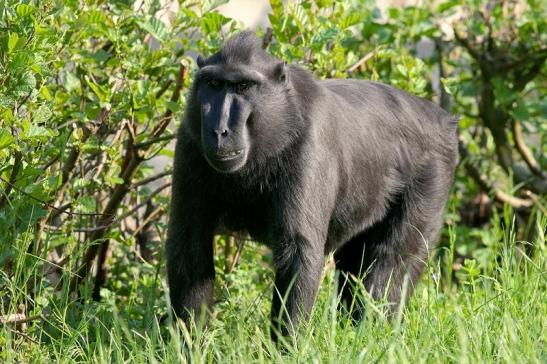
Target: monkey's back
(372, 115)
(389, 104)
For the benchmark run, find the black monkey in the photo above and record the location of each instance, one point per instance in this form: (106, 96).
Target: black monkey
(307, 167)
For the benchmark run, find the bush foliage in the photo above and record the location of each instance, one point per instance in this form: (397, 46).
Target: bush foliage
(91, 93)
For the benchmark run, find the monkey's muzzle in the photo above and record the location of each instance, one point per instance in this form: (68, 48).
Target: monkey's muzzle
(227, 155)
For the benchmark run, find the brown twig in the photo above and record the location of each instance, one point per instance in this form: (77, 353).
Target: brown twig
(132, 160)
(150, 142)
(360, 62)
(229, 242)
(151, 217)
(481, 179)
(18, 158)
(162, 90)
(60, 210)
(536, 200)
(26, 336)
(267, 38)
(70, 165)
(525, 153)
(100, 165)
(164, 122)
(146, 232)
(237, 256)
(467, 45)
(18, 319)
(152, 178)
(119, 219)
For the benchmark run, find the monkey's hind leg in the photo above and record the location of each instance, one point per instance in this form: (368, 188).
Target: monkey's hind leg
(390, 256)
(398, 248)
(350, 263)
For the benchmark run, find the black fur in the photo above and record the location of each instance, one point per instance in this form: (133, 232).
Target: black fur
(355, 167)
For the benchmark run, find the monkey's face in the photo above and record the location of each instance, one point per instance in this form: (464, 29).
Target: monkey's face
(236, 116)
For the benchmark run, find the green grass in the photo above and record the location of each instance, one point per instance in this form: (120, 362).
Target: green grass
(495, 311)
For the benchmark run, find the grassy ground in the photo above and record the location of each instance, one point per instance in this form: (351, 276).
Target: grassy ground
(493, 309)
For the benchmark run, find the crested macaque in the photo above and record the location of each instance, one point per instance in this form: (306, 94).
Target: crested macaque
(307, 167)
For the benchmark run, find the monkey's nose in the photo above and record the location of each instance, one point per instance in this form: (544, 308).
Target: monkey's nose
(220, 132)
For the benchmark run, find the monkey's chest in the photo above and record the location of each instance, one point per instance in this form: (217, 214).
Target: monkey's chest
(254, 218)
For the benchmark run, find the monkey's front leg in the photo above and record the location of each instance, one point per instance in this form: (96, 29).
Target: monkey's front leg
(299, 266)
(190, 265)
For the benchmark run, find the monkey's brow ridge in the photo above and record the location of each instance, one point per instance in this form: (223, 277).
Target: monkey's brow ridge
(231, 74)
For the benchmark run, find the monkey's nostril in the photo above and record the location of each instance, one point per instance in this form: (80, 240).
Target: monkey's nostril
(218, 132)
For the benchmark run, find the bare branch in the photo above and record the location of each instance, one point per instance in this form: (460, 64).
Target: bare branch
(70, 165)
(267, 39)
(525, 153)
(467, 45)
(59, 210)
(164, 88)
(18, 318)
(360, 62)
(530, 74)
(237, 256)
(538, 203)
(164, 122)
(152, 178)
(132, 160)
(150, 142)
(120, 218)
(481, 179)
(151, 217)
(18, 158)
(531, 55)
(50, 163)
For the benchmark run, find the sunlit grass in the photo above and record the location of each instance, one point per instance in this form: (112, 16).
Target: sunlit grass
(500, 316)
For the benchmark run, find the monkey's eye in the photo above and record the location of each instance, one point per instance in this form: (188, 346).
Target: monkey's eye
(241, 87)
(214, 83)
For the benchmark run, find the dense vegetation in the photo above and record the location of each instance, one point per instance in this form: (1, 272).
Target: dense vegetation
(90, 95)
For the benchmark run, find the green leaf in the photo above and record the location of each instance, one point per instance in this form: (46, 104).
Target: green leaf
(70, 82)
(6, 139)
(173, 106)
(324, 36)
(86, 203)
(466, 122)
(37, 132)
(23, 10)
(45, 94)
(299, 15)
(42, 114)
(350, 20)
(97, 17)
(209, 5)
(448, 5)
(100, 91)
(25, 85)
(155, 27)
(450, 84)
(276, 5)
(112, 177)
(12, 41)
(520, 112)
(212, 22)
(402, 70)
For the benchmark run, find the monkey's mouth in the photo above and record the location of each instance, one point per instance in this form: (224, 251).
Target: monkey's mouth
(226, 161)
(228, 155)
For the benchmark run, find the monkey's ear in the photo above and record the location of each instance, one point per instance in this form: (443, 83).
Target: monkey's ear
(281, 72)
(200, 61)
